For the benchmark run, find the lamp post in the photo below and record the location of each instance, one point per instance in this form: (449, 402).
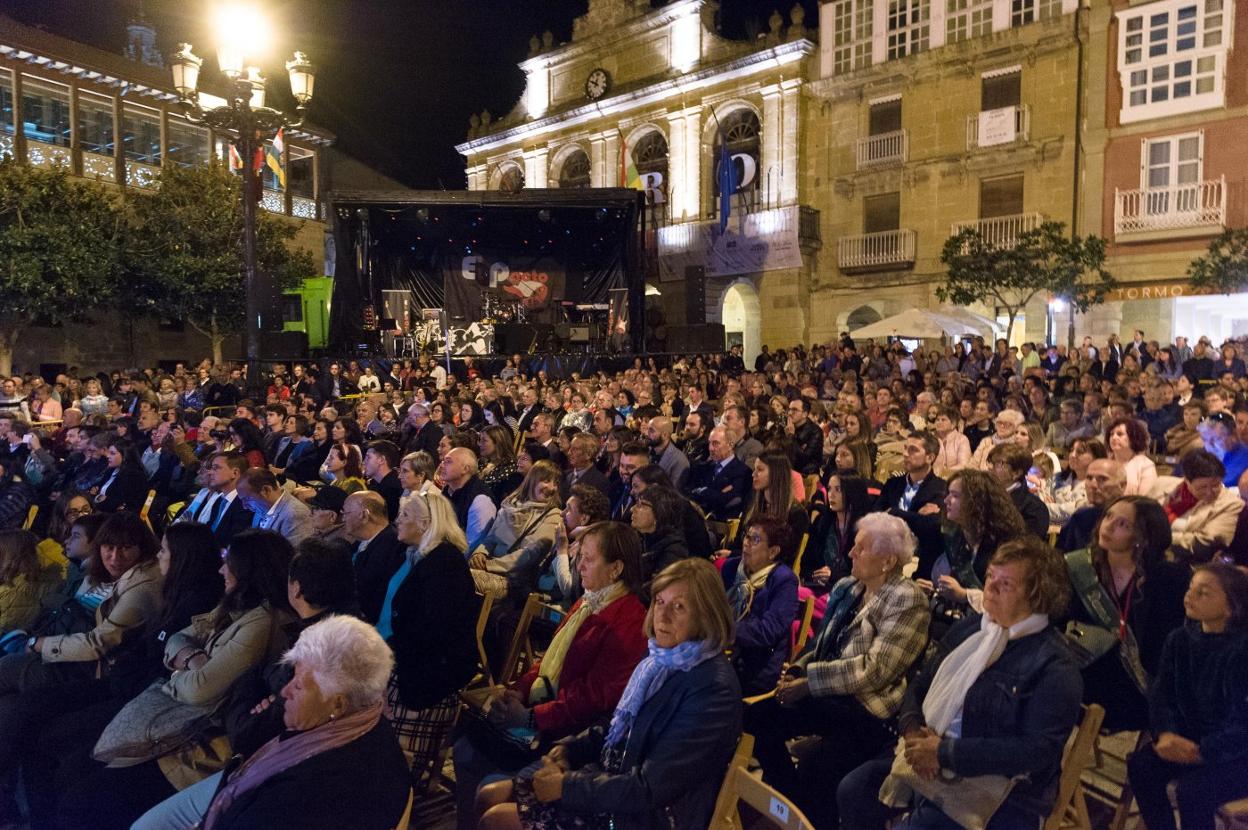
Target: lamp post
(243, 116)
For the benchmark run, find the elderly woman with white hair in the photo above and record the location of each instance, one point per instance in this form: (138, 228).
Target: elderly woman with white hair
(337, 764)
(848, 684)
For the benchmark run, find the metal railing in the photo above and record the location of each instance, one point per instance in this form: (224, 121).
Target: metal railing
(1001, 231)
(871, 251)
(1196, 205)
(980, 130)
(883, 149)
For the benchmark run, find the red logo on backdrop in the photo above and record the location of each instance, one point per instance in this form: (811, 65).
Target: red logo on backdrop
(530, 287)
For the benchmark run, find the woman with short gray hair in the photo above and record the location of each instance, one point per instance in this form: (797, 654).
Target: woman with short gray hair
(338, 763)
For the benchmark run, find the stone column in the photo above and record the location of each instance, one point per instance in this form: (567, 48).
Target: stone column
(537, 168)
(791, 92)
(677, 166)
(693, 164)
(769, 166)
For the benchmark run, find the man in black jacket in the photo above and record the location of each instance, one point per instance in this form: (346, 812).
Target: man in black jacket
(529, 411)
(918, 497)
(381, 461)
(722, 484)
(423, 433)
(334, 385)
(581, 454)
(1010, 464)
(377, 552)
(807, 438)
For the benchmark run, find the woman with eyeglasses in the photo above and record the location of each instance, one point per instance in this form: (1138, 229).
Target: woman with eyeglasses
(762, 590)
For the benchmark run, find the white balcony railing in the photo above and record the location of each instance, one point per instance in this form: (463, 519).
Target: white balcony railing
(1200, 205)
(873, 251)
(992, 128)
(1001, 231)
(883, 149)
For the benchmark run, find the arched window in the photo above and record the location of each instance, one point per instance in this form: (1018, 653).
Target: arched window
(575, 170)
(650, 160)
(741, 130)
(512, 179)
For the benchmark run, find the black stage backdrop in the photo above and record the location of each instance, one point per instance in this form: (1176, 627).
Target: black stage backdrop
(452, 249)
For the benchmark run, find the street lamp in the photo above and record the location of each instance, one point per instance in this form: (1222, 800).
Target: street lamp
(241, 34)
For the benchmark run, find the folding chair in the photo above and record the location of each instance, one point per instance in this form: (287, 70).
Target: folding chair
(775, 808)
(520, 654)
(725, 803)
(485, 677)
(1070, 811)
(30, 517)
(799, 642)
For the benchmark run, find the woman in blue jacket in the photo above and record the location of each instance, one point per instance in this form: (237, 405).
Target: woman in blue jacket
(1199, 705)
(763, 594)
(999, 698)
(661, 761)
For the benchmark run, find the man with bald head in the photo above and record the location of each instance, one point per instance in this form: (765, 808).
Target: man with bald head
(1105, 482)
(664, 453)
(474, 508)
(376, 553)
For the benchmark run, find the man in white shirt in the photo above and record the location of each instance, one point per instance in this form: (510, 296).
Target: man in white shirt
(217, 504)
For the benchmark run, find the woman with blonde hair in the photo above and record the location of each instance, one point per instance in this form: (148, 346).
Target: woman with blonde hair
(521, 535)
(660, 760)
(429, 619)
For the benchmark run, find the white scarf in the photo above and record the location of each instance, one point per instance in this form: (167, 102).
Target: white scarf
(959, 671)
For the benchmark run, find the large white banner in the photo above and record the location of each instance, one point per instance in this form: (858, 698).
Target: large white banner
(761, 241)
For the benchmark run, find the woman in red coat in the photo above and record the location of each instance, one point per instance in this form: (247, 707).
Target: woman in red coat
(582, 675)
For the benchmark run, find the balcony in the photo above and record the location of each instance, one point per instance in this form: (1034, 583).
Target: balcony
(1001, 231)
(883, 251)
(999, 127)
(883, 150)
(1196, 209)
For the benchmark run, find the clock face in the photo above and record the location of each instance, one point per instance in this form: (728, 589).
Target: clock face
(597, 84)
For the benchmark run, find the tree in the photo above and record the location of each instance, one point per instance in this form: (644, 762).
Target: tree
(1224, 268)
(186, 251)
(1044, 260)
(60, 249)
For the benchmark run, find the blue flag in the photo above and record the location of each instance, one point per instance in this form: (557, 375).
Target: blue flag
(727, 180)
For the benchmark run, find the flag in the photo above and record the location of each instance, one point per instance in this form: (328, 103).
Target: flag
(273, 155)
(236, 161)
(727, 180)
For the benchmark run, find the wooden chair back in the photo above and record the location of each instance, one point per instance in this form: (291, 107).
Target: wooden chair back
(484, 677)
(30, 517)
(1071, 808)
(803, 633)
(801, 550)
(520, 654)
(725, 802)
(742, 787)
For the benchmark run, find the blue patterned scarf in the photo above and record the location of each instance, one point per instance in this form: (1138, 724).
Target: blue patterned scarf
(649, 676)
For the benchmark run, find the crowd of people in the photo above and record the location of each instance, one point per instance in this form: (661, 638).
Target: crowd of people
(232, 608)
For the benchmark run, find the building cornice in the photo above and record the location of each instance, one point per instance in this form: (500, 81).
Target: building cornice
(603, 41)
(775, 57)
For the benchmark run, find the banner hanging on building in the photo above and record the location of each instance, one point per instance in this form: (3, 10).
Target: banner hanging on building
(765, 240)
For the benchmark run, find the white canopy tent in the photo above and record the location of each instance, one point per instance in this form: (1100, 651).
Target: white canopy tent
(919, 323)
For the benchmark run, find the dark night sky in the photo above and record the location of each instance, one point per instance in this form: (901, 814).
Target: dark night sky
(397, 79)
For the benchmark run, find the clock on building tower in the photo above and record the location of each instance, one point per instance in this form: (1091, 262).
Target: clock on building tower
(597, 84)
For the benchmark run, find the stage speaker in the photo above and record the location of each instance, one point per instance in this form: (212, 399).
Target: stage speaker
(283, 344)
(512, 338)
(695, 295)
(706, 337)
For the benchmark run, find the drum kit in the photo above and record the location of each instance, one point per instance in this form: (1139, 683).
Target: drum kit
(496, 310)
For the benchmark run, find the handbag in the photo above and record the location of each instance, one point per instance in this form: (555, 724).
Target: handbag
(970, 801)
(149, 726)
(509, 749)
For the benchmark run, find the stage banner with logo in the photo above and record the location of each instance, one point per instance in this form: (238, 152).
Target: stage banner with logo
(536, 282)
(765, 240)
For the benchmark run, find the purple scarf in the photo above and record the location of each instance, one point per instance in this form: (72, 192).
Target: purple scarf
(279, 755)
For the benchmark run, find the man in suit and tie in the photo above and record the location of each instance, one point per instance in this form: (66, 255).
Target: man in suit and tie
(218, 504)
(272, 507)
(381, 461)
(426, 435)
(721, 484)
(918, 497)
(581, 454)
(377, 552)
(543, 431)
(530, 411)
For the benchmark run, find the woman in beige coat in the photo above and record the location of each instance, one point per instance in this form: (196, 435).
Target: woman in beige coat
(1203, 512)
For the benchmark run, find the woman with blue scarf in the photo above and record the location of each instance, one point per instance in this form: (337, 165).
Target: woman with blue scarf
(661, 760)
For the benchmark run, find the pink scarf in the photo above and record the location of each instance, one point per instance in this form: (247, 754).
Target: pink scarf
(279, 755)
